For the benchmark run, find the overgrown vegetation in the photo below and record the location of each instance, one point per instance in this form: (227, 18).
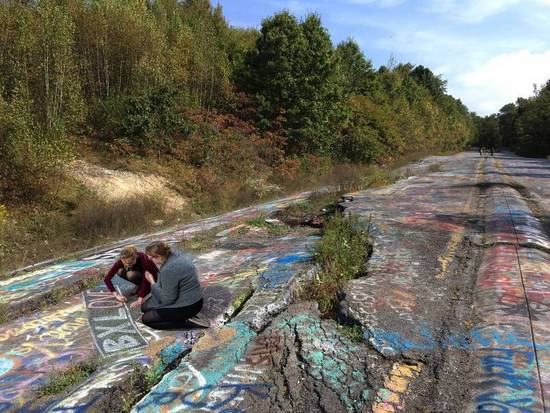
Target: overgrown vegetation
(82, 220)
(435, 167)
(228, 115)
(341, 254)
(59, 381)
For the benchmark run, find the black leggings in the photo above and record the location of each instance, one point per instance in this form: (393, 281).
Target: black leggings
(132, 276)
(166, 318)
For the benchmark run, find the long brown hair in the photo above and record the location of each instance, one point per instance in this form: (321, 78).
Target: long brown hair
(158, 248)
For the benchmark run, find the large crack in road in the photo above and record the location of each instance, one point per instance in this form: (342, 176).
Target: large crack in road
(454, 309)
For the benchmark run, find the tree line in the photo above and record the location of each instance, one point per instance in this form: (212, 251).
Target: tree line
(523, 126)
(151, 75)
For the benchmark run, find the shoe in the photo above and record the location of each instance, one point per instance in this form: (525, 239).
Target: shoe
(199, 320)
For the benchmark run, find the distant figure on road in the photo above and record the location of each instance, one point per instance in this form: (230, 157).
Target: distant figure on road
(131, 266)
(481, 151)
(492, 151)
(176, 296)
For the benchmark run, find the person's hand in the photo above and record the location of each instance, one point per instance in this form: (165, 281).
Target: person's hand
(149, 277)
(137, 303)
(120, 298)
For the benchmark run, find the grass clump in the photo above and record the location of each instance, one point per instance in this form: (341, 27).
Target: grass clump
(260, 222)
(241, 299)
(379, 177)
(435, 167)
(342, 254)
(97, 218)
(203, 240)
(353, 332)
(59, 381)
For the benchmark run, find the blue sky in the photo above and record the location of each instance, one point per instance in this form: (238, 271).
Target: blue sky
(489, 51)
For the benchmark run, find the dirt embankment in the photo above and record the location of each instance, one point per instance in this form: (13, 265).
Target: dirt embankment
(113, 185)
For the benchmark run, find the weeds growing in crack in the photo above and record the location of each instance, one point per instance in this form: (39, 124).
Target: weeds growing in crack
(342, 254)
(59, 381)
(274, 229)
(239, 301)
(352, 332)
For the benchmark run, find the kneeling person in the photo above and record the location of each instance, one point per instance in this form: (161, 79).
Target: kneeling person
(132, 266)
(176, 297)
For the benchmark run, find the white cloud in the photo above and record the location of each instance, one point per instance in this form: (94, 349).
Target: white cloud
(472, 11)
(501, 80)
(475, 11)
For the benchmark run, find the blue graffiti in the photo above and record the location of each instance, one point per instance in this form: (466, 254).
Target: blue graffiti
(424, 340)
(236, 388)
(491, 403)
(512, 373)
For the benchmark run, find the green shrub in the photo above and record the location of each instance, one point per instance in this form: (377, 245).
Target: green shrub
(342, 254)
(344, 246)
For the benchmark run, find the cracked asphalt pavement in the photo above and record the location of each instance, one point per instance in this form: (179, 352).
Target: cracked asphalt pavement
(453, 310)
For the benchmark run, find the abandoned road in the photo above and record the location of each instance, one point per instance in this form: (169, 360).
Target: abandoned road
(454, 310)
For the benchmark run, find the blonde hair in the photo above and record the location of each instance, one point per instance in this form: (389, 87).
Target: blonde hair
(129, 251)
(158, 248)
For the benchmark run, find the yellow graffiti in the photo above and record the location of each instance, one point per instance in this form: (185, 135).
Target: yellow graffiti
(46, 321)
(450, 252)
(388, 399)
(214, 338)
(446, 259)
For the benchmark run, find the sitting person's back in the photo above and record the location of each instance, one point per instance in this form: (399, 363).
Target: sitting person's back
(178, 283)
(176, 297)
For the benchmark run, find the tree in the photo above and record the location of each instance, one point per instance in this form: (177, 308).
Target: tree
(293, 76)
(356, 73)
(433, 83)
(507, 124)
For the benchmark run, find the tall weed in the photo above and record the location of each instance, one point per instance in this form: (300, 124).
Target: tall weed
(342, 255)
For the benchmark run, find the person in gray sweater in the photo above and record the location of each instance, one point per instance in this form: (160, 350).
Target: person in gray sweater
(176, 295)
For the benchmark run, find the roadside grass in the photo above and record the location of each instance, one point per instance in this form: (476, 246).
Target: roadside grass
(378, 177)
(81, 220)
(201, 241)
(59, 381)
(273, 229)
(97, 219)
(341, 254)
(76, 219)
(435, 167)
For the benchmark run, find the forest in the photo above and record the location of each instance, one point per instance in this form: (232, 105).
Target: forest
(522, 126)
(170, 76)
(171, 88)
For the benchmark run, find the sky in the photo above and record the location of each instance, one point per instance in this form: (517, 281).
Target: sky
(490, 51)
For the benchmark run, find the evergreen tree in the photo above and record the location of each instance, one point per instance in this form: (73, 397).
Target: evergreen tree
(293, 75)
(356, 73)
